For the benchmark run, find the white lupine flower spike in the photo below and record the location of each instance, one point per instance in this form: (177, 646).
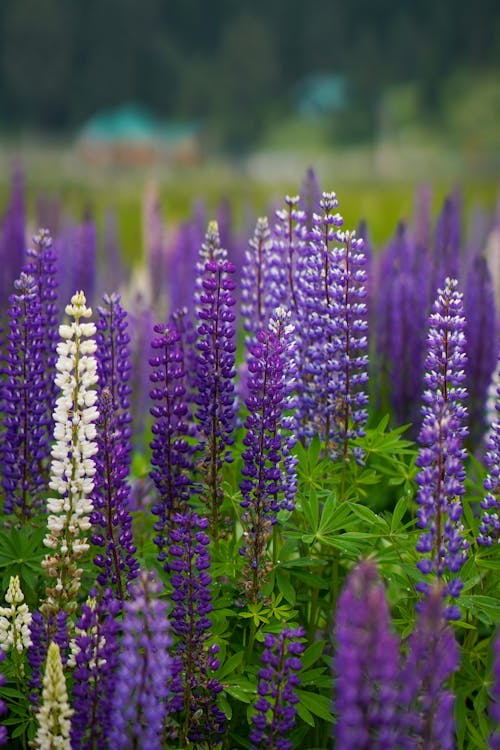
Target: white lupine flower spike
(55, 713)
(72, 468)
(15, 620)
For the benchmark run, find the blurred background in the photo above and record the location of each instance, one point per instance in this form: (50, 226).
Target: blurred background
(232, 97)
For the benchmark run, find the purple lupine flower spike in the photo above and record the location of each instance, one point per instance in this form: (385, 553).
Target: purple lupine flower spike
(288, 239)
(432, 657)
(215, 366)
(495, 694)
(366, 665)
(42, 631)
(278, 681)
(441, 457)
(447, 240)
(310, 196)
(255, 278)
(140, 699)
(172, 454)
(269, 482)
(25, 448)
(194, 687)
(489, 529)
(95, 660)
(480, 313)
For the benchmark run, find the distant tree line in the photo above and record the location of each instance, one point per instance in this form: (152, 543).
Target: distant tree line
(233, 63)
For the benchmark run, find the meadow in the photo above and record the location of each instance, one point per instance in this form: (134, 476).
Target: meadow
(250, 466)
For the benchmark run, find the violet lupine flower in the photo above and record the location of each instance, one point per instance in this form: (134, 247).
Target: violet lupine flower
(215, 366)
(495, 694)
(255, 278)
(441, 457)
(95, 659)
(183, 259)
(110, 518)
(25, 447)
(489, 529)
(172, 454)
(288, 240)
(310, 196)
(12, 243)
(446, 255)
(194, 687)
(366, 665)
(278, 680)
(426, 717)
(269, 468)
(41, 264)
(139, 703)
(3, 705)
(42, 631)
(480, 314)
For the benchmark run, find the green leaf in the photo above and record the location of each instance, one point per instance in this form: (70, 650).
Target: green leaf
(230, 665)
(486, 608)
(312, 654)
(318, 705)
(305, 715)
(285, 586)
(398, 513)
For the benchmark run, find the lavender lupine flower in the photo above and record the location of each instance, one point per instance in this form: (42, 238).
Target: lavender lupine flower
(447, 240)
(41, 264)
(183, 259)
(366, 665)
(172, 454)
(489, 529)
(426, 717)
(3, 705)
(288, 240)
(12, 244)
(278, 680)
(111, 519)
(25, 448)
(480, 314)
(255, 278)
(42, 631)
(441, 457)
(495, 694)
(95, 659)
(269, 482)
(310, 196)
(54, 714)
(194, 687)
(73, 467)
(215, 371)
(140, 700)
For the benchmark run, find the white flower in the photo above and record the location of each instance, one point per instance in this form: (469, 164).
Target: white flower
(55, 713)
(15, 620)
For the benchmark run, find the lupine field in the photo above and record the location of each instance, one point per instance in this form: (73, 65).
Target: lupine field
(250, 494)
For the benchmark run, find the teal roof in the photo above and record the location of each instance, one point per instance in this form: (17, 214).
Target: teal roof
(322, 93)
(133, 123)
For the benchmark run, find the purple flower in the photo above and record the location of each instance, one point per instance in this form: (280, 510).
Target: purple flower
(495, 694)
(366, 665)
(446, 255)
(215, 371)
(310, 196)
(255, 278)
(172, 454)
(269, 482)
(432, 657)
(489, 529)
(12, 243)
(194, 687)
(96, 658)
(76, 259)
(139, 704)
(42, 632)
(25, 448)
(288, 240)
(183, 259)
(440, 459)
(278, 680)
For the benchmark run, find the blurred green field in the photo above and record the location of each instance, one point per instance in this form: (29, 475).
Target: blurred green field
(377, 189)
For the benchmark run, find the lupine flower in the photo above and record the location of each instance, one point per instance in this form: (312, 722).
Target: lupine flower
(441, 476)
(3, 705)
(12, 244)
(139, 704)
(255, 277)
(480, 314)
(426, 705)
(172, 455)
(43, 631)
(15, 620)
(54, 715)
(95, 658)
(76, 259)
(194, 688)
(310, 196)
(288, 240)
(269, 482)
(489, 529)
(184, 256)
(73, 467)
(111, 518)
(447, 240)
(366, 665)
(41, 264)
(25, 444)
(495, 694)
(278, 680)
(216, 348)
